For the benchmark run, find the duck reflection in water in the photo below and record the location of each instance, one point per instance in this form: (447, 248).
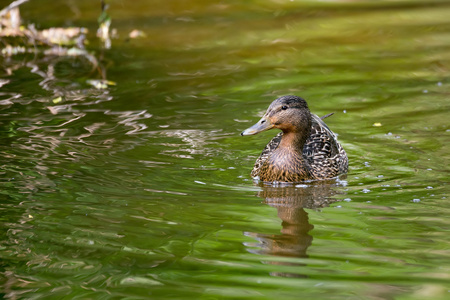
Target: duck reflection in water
(294, 240)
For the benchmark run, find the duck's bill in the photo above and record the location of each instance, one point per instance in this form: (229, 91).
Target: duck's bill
(263, 125)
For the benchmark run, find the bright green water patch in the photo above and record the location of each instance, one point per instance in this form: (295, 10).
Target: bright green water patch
(143, 191)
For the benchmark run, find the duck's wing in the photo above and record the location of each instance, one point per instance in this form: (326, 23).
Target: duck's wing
(272, 145)
(324, 154)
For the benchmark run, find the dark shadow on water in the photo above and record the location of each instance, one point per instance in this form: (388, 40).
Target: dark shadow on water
(294, 240)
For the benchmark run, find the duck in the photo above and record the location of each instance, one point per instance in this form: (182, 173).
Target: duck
(305, 149)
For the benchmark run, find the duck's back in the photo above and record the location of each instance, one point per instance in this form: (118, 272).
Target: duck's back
(323, 152)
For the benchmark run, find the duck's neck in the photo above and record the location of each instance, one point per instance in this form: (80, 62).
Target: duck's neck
(293, 141)
(287, 162)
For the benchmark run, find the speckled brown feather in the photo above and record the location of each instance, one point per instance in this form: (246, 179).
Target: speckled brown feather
(323, 152)
(272, 145)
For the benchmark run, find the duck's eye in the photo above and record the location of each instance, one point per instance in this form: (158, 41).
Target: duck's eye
(284, 107)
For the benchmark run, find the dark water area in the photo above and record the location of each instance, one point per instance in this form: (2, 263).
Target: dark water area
(142, 190)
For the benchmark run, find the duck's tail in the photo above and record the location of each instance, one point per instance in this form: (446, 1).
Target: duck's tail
(327, 115)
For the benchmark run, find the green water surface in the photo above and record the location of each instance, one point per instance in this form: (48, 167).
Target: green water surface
(142, 190)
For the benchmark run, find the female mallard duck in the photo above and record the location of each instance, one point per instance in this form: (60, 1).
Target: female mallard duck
(306, 149)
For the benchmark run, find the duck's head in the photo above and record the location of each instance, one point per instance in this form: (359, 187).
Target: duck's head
(288, 113)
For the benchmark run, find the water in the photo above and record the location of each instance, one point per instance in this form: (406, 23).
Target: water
(143, 191)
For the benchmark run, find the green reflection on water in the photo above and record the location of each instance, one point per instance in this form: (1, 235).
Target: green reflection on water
(143, 190)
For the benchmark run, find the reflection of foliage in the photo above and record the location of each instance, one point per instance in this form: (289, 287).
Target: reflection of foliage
(104, 22)
(11, 26)
(51, 42)
(41, 124)
(62, 120)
